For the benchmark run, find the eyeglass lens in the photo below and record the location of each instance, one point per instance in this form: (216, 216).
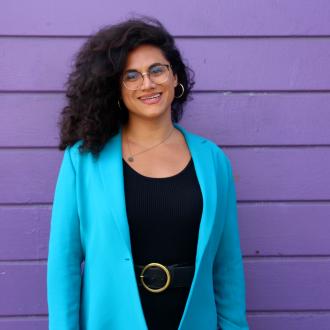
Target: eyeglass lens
(158, 74)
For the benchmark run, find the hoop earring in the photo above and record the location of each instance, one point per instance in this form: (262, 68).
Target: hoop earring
(177, 97)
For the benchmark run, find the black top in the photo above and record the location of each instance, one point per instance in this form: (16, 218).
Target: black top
(164, 216)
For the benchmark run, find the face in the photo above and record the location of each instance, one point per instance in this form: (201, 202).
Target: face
(151, 100)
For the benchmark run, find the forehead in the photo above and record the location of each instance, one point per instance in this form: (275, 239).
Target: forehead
(143, 56)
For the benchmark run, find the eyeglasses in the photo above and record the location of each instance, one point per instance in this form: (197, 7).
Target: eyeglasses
(157, 73)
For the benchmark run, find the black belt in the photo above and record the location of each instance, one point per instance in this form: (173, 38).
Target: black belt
(156, 277)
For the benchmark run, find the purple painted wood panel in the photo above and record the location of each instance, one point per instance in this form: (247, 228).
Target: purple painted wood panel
(264, 174)
(290, 321)
(24, 232)
(281, 174)
(275, 229)
(257, 321)
(29, 120)
(229, 119)
(24, 286)
(24, 323)
(34, 182)
(268, 64)
(284, 229)
(213, 17)
(262, 93)
(299, 284)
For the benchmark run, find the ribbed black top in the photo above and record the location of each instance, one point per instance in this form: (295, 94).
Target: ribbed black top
(164, 216)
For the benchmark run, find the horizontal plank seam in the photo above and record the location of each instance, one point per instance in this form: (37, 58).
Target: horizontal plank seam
(176, 36)
(22, 262)
(252, 313)
(290, 258)
(286, 201)
(241, 202)
(308, 312)
(250, 92)
(247, 259)
(24, 317)
(254, 146)
(25, 205)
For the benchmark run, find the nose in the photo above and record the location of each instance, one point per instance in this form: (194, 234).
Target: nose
(147, 82)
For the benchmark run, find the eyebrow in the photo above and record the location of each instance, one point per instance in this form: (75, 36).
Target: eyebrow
(150, 66)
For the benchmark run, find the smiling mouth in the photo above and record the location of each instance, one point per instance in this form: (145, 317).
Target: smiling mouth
(153, 99)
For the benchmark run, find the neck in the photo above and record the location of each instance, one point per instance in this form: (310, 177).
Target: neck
(147, 132)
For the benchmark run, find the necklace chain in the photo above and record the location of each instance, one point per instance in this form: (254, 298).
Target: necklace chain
(131, 157)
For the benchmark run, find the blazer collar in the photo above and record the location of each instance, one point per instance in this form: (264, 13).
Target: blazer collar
(111, 169)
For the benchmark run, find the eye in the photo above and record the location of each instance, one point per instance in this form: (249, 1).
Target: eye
(157, 70)
(131, 76)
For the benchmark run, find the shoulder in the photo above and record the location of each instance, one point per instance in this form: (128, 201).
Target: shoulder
(72, 153)
(221, 161)
(209, 145)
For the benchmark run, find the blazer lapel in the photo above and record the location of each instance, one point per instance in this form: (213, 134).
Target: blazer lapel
(111, 169)
(207, 181)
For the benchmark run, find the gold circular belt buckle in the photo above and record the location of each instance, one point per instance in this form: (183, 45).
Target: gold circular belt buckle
(164, 268)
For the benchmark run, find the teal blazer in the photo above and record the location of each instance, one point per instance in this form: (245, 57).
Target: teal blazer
(89, 223)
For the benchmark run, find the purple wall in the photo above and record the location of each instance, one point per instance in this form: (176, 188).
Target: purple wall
(262, 93)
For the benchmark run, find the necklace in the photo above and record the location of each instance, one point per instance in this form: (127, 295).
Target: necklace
(131, 157)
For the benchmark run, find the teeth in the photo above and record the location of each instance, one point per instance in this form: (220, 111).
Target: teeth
(150, 97)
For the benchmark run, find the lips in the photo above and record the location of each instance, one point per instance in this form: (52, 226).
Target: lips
(150, 98)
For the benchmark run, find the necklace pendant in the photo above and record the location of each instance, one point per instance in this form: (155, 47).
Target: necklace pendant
(131, 159)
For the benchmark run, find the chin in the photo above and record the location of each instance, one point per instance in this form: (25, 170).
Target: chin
(152, 110)
(153, 114)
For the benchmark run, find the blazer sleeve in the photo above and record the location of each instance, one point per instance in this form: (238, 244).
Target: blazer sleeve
(228, 272)
(65, 252)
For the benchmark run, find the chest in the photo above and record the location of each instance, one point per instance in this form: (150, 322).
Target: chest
(163, 161)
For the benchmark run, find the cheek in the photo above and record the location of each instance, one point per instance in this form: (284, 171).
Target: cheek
(172, 88)
(126, 96)
(172, 92)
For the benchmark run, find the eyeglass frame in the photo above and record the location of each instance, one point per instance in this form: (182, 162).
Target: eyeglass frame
(168, 66)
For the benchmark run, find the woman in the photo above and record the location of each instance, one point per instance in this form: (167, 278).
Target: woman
(149, 207)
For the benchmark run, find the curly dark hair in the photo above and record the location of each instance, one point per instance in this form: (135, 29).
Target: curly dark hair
(92, 113)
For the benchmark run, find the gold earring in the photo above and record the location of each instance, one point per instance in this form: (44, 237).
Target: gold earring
(177, 97)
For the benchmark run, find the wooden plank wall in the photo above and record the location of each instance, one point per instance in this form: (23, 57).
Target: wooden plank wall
(262, 94)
